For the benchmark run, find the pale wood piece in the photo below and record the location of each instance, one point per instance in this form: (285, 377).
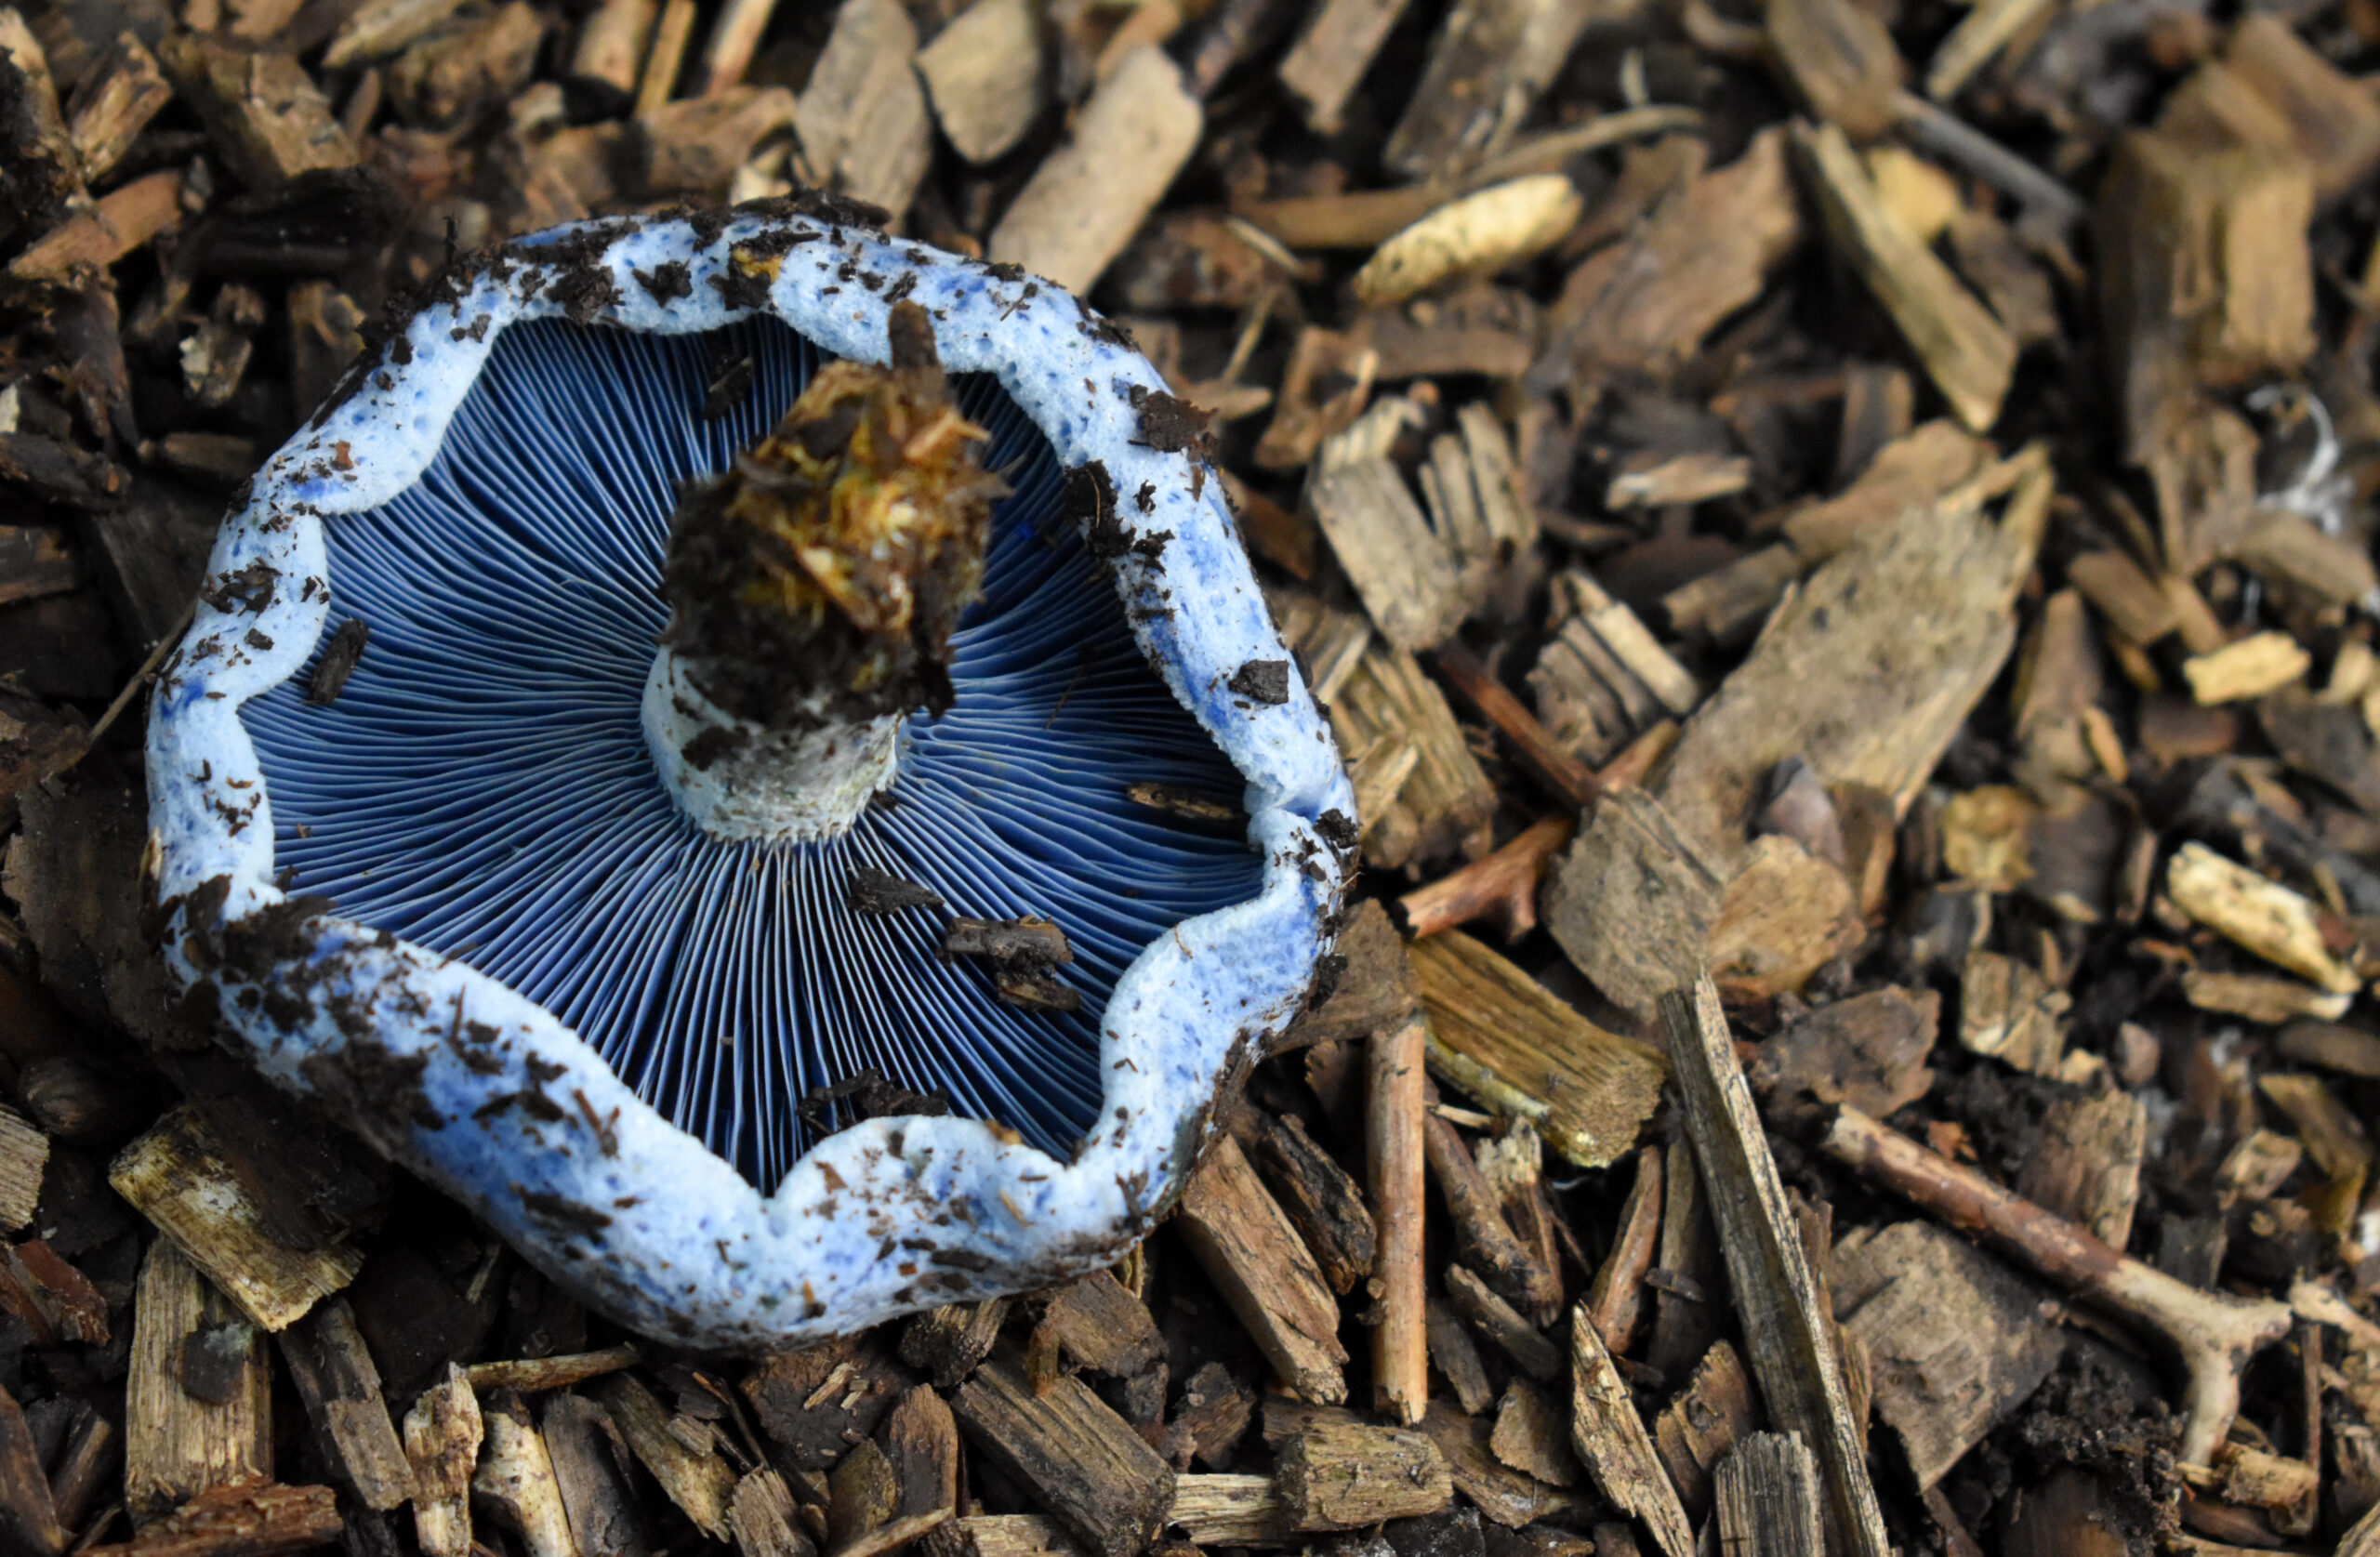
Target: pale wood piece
(2254, 997)
(1477, 234)
(1218, 1511)
(1396, 1164)
(1027, 1535)
(1085, 201)
(2126, 595)
(612, 44)
(444, 1431)
(595, 1496)
(671, 35)
(2008, 1010)
(2263, 916)
(1249, 1247)
(2262, 663)
(1412, 579)
(1613, 1444)
(379, 28)
(1909, 624)
(1969, 355)
(176, 1178)
(1839, 59)
(529, 1375)
(1696, 1431)
(862, 118)
(114, 104)
(1790, 1338)
(760, 1517)
(1082, 1460)
(1503, 1037)
(515, 1481)
(340, 1387)
(86, 243)
(1643, 306)
(176, 1444)
(2329, 118)
(1346, 1475)
(1633, 902)
(984, 73)
(1955, 1339)
(697, 1480)
(2087, 1167)
(2253, 1168)
(263, 114)
(2334, 1138)
(24, 1155)
(1330, 56)
(1981, 34)
(1768, 1498)
(1447, 802)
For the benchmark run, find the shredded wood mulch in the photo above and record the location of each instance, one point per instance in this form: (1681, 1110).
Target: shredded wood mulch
(1835, 539)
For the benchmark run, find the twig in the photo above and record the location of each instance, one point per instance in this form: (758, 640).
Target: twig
(1502, 884)
(141, 677)
(2215, 1334)
(1484, 1238)
(1567, 779)
(1394, 1125)
(1937, 129)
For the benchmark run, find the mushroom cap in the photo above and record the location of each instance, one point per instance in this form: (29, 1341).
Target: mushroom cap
(503, 984)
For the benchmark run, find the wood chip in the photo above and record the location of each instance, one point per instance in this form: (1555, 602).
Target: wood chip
(180, 1441)
(177, 1178)
(1789, 1335)
(1768, 1498)
(1083, 204)
(341, 1386)
(1498, 1034)
(1341, 1476)
(1249, 1248)
(983, 73)
(2262, 916)
(1477, 234)
(1078, 1456)
(862, 117)
(1968, 352)
(2254, 666)
(443, 1434)
(1613, 1445)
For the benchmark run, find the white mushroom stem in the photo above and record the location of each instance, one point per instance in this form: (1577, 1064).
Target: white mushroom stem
(742, 780)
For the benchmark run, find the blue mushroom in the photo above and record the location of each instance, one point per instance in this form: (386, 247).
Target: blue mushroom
(511, 851)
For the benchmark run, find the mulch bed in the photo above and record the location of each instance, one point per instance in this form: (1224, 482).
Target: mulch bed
(1834, 540)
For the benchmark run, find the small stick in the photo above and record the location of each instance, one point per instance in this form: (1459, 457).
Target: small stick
(668, 52)
(734, 40)
(2215, 1334)
(1394, 1136)
(1569, 780)
(141, 677)
(1482, 1236)
(1501, 885)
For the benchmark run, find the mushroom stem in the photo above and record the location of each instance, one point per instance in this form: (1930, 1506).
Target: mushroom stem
(813, 587)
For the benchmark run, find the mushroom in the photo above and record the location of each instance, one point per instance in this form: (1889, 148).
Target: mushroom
(584, 903)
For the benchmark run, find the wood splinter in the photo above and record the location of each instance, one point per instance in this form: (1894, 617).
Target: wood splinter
(2215, 1334)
